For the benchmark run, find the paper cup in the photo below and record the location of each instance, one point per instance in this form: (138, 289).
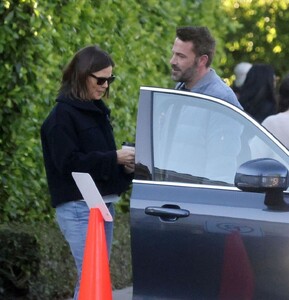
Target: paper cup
(127, 145)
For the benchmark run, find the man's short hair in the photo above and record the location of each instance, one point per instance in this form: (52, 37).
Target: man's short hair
(203, 42)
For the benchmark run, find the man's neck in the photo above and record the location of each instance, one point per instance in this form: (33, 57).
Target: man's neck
(190, 84)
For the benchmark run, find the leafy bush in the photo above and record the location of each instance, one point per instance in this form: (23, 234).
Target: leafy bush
(19, 262)
(120, 262)
(37, 38)
(36, 263)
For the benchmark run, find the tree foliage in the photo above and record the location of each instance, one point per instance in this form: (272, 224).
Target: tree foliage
(36, 41)
(260, 34)
(37, 38)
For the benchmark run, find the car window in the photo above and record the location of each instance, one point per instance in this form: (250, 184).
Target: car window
(199, 140)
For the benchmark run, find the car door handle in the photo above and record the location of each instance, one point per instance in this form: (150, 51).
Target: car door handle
(166, 212)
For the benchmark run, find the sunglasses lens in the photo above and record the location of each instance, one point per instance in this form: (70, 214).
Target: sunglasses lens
(101, 81)
(111, 79)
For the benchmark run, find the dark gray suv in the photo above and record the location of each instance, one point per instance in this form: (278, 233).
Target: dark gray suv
(209, 212)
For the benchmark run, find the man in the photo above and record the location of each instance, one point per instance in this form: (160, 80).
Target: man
(206, 142)
(193, 52)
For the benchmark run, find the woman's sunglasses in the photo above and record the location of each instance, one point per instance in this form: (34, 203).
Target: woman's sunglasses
(102, 80)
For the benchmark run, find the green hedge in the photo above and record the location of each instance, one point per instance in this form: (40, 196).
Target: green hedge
(38, 38)
(36, 263)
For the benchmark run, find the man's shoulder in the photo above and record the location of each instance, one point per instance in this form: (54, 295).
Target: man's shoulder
(219, 89)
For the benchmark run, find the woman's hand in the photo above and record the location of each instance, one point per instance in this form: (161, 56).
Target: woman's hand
(129, 168)
(126, 157)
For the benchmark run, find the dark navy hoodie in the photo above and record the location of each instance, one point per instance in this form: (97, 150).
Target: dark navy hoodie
(77, 137)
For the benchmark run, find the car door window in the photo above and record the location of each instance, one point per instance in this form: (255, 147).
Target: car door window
(198, 140)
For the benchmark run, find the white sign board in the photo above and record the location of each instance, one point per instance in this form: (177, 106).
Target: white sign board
(90, 194)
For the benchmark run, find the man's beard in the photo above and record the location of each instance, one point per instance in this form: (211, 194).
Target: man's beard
(187, 75)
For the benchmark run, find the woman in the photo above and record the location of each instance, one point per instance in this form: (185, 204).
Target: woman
(257, 94)
(77, 137)
(278, 124)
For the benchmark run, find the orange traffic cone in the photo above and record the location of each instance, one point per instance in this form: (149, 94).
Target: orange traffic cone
(95, 276)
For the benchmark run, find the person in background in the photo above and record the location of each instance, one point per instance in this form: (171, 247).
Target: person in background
(240, 72)
(257, 95)
(278, 124)
(77, 136)
(193, 52)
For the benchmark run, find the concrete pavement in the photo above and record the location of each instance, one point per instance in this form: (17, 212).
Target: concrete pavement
(123, 294)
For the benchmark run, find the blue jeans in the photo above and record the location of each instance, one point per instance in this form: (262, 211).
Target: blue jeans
(72, 218)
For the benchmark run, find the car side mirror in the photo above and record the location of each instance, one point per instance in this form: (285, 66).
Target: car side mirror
(264, 175)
